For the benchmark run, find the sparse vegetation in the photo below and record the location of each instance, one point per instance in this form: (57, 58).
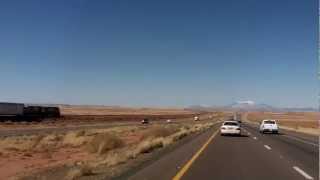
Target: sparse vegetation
(79, 171)
(158, 131)
(103, 143)
(95, 148)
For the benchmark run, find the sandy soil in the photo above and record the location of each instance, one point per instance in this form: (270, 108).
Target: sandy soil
(36, 155)
(17, 164)
(24, 155)
(82, 115)
(112, 110)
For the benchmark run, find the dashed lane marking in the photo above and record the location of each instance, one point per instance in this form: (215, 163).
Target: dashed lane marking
(301, 172)
(267, 147)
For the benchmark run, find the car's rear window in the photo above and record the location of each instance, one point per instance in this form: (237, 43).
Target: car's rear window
(231, 124)
(269, 122)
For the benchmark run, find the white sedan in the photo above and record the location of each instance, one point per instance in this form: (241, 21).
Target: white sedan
(230, 127)
(269, 125)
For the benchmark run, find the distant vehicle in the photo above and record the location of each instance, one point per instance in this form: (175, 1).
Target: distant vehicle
(145, 121)
(196, 118)
(169, 121)
(269, 125)
(230, 128)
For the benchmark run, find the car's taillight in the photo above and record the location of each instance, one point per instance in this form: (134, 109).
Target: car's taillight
(223, 128)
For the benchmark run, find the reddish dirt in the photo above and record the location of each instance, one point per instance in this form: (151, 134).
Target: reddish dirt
(15, 164)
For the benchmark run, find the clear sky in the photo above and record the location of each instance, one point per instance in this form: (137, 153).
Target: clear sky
(159, 53)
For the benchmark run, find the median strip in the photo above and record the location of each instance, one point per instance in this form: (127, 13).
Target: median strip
(186, 167)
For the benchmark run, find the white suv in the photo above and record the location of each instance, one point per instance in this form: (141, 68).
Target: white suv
(269, 125)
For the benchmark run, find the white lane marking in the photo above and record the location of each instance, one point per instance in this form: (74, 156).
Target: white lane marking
(255, 138)
(297, 139)
(267, 147)
(304, 174)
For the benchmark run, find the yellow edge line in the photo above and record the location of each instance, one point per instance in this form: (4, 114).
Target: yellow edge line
(195, 156)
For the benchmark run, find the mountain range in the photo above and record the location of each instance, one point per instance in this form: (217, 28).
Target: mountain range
(250, 106)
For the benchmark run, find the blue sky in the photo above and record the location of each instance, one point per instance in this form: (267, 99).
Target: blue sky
(159, 53)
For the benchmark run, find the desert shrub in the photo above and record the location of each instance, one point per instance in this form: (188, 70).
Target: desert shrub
(116, 158)
(37, 140)
(80, 133)
(156, 132)
(75, 139)
(77, 172)
(149, 145)
(181, 134)
(103, 143)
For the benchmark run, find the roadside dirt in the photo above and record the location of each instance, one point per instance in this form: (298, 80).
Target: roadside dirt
(31, 148)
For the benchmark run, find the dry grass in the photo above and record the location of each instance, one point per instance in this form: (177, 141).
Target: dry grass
(106, 147)
(79, 171)
(150, 144)
(158, 131)
(103, 143)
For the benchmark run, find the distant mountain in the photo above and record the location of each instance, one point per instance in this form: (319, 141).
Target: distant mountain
(250, 106)
(200, 108)
(307, 109)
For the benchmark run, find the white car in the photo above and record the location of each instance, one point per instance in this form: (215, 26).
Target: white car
(269, 125)
(230, 128)
(196, 118)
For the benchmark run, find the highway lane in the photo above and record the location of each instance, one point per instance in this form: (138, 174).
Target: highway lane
(293, 134)
(251, 156)
(299, 149)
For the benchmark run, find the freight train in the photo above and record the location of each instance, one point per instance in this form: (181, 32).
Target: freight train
(18, 110)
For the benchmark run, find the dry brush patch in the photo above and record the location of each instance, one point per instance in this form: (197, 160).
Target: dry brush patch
(162, 137)
(93, 148)
(102, 143)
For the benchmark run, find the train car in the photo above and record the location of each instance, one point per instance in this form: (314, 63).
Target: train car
(51, 112)
(11, 109)
(21, 112)
(32, 111)
(41, 111)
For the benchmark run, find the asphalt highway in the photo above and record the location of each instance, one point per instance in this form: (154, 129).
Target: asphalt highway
(209, 156)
